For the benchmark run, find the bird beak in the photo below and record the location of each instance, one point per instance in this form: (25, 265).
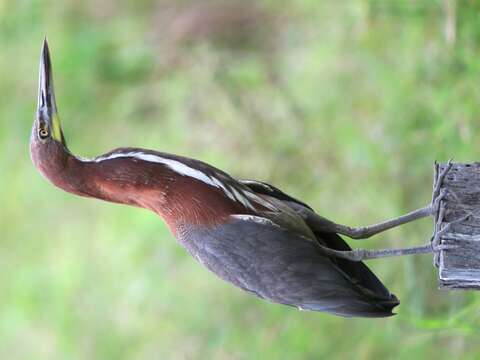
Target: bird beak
(47, 106)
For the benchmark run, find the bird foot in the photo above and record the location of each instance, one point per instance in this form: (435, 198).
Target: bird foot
(436, 202)
(440, 177)
(443, 247)
(440, 230)
(438, 193)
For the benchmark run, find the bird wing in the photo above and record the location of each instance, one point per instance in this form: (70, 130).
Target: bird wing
(259, 256)
(266, 189)
(356, 272)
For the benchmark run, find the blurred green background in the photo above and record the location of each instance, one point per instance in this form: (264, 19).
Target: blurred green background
(343, 104)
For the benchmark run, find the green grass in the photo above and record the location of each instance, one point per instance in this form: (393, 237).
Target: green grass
(344, 106)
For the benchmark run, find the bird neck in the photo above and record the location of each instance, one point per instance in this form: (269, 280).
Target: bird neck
(177, 199)
(57, 164)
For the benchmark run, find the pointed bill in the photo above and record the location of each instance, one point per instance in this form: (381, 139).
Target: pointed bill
(47, 106)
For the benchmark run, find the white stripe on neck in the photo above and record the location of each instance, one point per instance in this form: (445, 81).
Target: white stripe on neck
(174, 165)
(185, 170)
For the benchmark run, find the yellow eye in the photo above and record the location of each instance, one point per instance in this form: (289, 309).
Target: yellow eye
(43, 133)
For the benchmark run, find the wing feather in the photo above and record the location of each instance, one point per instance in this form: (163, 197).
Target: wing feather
(357, 272)
(271, 262)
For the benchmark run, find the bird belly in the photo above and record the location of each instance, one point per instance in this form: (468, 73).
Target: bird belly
(276, 265)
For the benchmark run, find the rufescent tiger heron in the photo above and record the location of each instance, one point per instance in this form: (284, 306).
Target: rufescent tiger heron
(249, 233)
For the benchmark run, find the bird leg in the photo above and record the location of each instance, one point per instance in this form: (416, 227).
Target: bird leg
(367, 254)
(436, 208)
(364, 232)
(434, 246)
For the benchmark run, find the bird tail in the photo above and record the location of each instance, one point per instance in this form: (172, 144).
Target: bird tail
(372, 298)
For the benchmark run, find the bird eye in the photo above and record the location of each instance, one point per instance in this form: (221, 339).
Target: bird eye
(43, 133)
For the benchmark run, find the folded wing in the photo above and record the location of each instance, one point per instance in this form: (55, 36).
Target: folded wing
(357, 273)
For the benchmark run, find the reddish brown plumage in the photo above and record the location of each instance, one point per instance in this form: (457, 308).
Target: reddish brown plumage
(176, 198)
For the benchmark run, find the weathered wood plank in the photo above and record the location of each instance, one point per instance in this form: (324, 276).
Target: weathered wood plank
(459, 267)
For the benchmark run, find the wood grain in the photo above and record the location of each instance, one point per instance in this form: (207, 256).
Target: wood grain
(459, 268)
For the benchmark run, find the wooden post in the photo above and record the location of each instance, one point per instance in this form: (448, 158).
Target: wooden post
(459, 267)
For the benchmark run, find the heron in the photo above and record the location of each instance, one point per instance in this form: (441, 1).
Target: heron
(247, 232)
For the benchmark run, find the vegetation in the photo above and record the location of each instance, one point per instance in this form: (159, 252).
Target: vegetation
(343, 104)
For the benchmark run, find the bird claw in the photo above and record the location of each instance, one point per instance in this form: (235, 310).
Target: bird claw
(439, 180)
(438, 194)
(437, 246)
(438, 210)
(435, 204)
(443, 247)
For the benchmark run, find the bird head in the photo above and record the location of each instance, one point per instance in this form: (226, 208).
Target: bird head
(47, 123)
(47, 143)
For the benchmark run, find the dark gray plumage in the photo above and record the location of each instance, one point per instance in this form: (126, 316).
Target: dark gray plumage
(274, 263)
